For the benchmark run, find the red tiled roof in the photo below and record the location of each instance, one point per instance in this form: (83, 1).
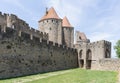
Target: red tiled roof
(50, 14)
(66, 23)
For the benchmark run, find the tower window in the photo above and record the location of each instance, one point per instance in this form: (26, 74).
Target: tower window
(79, 37)
(50, 28)
(52, 20)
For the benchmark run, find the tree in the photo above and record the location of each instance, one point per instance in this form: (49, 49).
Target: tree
(117, 48)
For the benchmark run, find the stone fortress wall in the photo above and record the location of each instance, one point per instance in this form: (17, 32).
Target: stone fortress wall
(96, 55)
(25, 51)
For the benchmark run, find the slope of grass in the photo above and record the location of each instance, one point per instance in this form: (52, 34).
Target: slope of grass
(68, 76)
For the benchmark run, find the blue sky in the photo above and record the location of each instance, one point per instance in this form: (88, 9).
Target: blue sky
(98, 19)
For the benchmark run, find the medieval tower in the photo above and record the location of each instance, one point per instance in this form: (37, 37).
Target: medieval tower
(68, 33)
(51, 23)
(60, 30)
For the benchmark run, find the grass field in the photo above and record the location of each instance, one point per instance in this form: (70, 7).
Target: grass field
(68, 76)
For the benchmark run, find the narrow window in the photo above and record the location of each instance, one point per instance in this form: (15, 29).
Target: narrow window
(50, 28)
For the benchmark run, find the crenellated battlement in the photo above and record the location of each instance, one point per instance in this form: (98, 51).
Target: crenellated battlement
(93, 45)
(100, 43)
(12, 21)
(50, 43)
(3, 15)
(35, 36)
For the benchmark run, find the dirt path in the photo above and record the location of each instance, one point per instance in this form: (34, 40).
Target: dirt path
(39, 77)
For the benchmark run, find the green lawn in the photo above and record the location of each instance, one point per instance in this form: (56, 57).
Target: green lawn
(68, 76)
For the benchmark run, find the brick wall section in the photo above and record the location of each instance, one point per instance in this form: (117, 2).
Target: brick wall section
(22, 56)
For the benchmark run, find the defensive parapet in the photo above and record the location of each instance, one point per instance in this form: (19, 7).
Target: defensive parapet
(98, 44)
(35, 36)
(32, 54)
(12, 21)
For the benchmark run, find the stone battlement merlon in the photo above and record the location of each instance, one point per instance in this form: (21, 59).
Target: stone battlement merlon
(3, 14)
(100, 42)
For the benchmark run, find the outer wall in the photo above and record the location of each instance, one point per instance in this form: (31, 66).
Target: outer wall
(21, 56)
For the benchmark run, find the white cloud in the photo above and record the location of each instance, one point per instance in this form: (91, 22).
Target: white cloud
(100, 36)
(18, 6)
(14, 2)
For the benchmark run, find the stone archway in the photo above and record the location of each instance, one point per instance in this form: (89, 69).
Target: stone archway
(88, 59)
(81, 60)
(107, 54)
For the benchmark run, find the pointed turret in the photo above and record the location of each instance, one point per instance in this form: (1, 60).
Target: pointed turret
(51, 23)
(51, 13)
(68, 32)
(66, 22)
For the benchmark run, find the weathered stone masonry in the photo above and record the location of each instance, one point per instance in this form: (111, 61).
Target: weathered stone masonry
(108, 64)
(24, 50)
(19, 55)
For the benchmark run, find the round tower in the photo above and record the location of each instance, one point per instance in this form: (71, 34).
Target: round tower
(68, 33)
(51, 23)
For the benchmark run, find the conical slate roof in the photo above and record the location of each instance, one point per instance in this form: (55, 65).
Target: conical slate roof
(66, 23)
(51, 13)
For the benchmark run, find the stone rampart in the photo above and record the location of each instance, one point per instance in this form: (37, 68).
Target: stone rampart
(21, 55)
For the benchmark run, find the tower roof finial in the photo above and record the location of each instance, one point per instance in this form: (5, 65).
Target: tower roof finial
(46, 10)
